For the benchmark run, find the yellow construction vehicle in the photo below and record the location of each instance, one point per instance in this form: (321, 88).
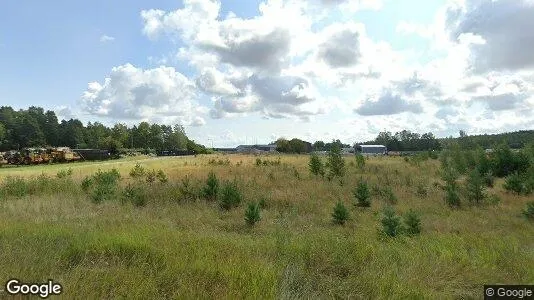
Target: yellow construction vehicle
(63, 154)
(3, 160)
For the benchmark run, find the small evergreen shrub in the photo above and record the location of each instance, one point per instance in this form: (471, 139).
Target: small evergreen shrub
(340, 214)
(15, 186)
(474, 187)
(151, 176)
(135, 194)
(220, 162)
(110, 177)
(188, 190)
(230, 196)
(362, 195)
(316, 165)
(412, 223)
(391, 225)
(162, 177)
(451, 196)
(211, 188)
(101, 186)
(64, 173)
(514, 183)
(360, 160)
(449, 175)
(100, 193)
(267, 162)
(86, 183)
(137, 171)
(252, 214)
(336, 163)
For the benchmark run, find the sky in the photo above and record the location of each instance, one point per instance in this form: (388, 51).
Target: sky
(240, 72)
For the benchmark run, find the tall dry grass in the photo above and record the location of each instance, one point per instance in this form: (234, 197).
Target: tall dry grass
(187, 247)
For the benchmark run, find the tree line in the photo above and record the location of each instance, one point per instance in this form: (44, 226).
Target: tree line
(35, 127)
(406, 140)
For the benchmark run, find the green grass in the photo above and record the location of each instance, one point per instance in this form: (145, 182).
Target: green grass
(176, 248)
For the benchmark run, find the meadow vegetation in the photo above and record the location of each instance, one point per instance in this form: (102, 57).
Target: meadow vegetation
(283, 226)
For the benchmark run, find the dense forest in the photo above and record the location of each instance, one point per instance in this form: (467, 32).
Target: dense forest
(36, 127)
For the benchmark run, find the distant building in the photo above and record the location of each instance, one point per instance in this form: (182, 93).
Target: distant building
(255, 148)
(225, 150)
(347, 150)
(372, 149)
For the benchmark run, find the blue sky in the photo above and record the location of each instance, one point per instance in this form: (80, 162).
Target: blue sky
(343, 70)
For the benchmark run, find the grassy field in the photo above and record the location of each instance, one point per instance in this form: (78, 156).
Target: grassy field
(187, 247)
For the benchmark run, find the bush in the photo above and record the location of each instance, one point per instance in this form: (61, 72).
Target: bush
(86, 183)
(212, 187)
(336, 163)
(449, 175)
(64, 173)
(162, 177)
(100, 193)
(219, 162)
(188, 190)
(316, 165)
(230, 196)
(137, 171)
(252, 214)
(360, 161)
(514, 183)
(15, 186)
(505, 162)
(267, 162)
(151, 176)
(135, 194)
(110, 177)
(474, 186)
(529, 211)
(391, 225)
(412, 223)
(451, 196)
(101, 185)
(362, 195)
(340, 214)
